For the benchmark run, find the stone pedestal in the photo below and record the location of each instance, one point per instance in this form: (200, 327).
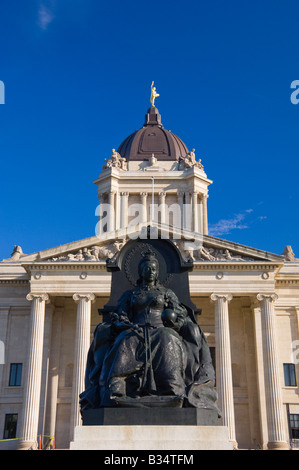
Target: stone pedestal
(150, 429)
(142, 437)
(121, 416)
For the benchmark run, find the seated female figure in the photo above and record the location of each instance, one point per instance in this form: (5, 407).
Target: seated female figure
(152, 349)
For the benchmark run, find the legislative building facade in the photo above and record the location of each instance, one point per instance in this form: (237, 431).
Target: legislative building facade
(247, 300)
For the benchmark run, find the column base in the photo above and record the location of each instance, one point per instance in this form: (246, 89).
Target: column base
(278, 445)
(234, 444)
(27, 445)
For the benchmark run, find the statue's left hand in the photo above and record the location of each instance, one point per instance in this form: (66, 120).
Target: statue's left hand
(121, 325)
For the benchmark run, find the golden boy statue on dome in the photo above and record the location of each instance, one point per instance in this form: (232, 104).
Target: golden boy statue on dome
(153, 94)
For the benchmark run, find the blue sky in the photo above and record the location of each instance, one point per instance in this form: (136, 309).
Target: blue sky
(77, 78)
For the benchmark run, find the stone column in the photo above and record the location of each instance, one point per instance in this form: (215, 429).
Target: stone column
(195, 211)
(200, 214)
(181, 204)
(82, 344)
(111, 215)
(187, 212)
(53, 374)
(124, 209)
(4, 312)
(205, 229)
(277, 433)
(224, 379)
(117, 212)
(32, 386)
(162, 197)
(100, 221)
(144, 208)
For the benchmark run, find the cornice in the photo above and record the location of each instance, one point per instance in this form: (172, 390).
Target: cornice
(20, 282)
(235, 266)
(65, 266)
(287, 282)
(120, 174)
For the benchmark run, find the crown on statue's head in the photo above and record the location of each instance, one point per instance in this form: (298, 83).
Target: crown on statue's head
(148, 255)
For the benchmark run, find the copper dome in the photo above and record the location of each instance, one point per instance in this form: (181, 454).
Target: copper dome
(152, 138)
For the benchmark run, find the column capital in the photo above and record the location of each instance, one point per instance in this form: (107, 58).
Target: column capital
(271, 297)
(142, 193)
(226, 297)
(124, 193)
(40, 297)
(162, 193)
(86, 297)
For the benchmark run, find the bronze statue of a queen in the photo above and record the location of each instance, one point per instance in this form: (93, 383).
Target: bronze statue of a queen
(152, 350)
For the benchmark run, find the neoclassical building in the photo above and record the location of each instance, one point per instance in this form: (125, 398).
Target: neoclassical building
(247, 299)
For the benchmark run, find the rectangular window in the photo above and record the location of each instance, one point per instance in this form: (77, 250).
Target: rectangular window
(289, 375)
(294, 425)
(15, 375)
(10, 426)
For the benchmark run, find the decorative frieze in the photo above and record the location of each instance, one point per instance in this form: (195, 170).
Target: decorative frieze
(200, 252)
(94, 253)
(205, 253)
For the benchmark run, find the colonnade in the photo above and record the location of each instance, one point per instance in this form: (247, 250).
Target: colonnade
(276, 432)
(191, 207)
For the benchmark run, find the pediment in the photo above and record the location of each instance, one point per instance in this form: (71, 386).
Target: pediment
(193, 246)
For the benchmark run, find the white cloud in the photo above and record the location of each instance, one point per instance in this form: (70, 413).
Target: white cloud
(45, 16)
(225, 226)
(237, 222)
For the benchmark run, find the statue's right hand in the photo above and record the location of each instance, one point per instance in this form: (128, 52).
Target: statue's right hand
(121, 323)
